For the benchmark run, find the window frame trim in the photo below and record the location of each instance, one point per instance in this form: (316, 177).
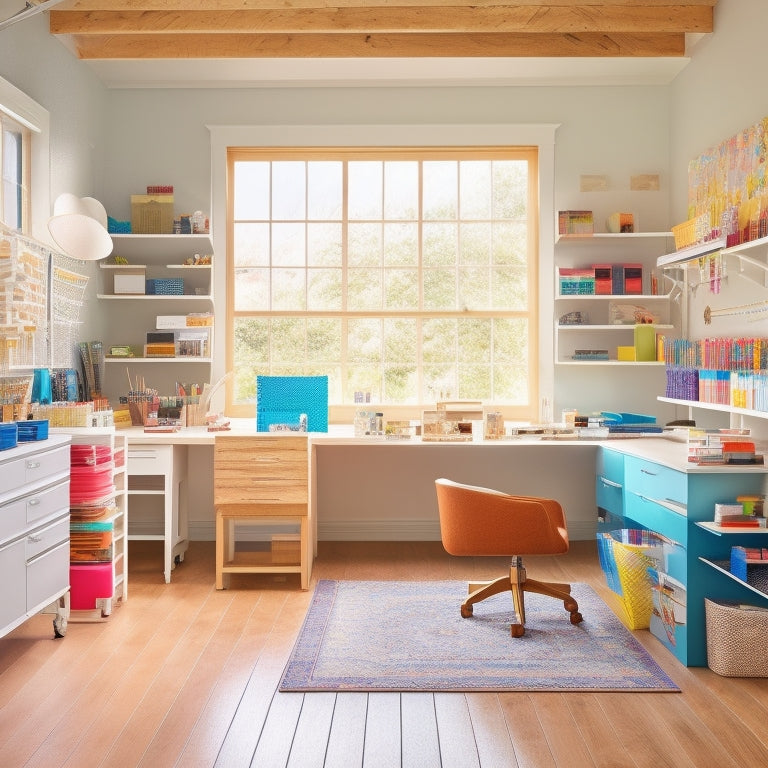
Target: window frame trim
(540, 135)
(26, 111)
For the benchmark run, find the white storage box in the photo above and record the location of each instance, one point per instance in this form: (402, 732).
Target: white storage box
(132, 280)
(170, 322)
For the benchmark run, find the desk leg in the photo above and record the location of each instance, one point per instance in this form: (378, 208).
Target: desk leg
(170, 500)
(306, 552)
(221, 527)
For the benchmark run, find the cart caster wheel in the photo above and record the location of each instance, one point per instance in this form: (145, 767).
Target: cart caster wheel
(576, 618)
(466, 611)
(59, 628)
(516, 630)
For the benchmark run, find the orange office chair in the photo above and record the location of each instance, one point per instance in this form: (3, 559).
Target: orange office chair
(480, 521)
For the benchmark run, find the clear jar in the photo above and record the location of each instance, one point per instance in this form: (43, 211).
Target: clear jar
(362, 423)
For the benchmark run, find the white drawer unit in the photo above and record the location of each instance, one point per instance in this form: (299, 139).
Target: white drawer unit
(34, 532)
(156, 481)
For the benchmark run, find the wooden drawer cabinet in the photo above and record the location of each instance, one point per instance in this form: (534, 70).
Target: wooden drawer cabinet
(262, 482)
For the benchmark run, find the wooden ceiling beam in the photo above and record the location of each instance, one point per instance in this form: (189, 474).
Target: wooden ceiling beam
(527, 19)
(264, 5)
(416, 45)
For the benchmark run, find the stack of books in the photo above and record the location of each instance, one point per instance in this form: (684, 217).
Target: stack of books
(721, 446)
(590, 354)
(739, 452)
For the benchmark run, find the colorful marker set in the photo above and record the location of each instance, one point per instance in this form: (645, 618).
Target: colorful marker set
(724, 371)
(720, 354)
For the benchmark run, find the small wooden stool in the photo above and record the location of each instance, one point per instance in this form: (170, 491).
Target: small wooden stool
(284, 555)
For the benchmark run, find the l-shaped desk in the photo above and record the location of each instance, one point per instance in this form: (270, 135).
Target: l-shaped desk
(376, 489)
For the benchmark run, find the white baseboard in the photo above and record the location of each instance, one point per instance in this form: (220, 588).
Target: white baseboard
(373, 530)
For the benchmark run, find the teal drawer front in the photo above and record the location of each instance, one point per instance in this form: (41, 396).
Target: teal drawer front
(655, 481)
(656, 517)
(610, 465)
(609, 495)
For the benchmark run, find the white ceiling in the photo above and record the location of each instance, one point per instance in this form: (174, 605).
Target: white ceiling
(267, 73)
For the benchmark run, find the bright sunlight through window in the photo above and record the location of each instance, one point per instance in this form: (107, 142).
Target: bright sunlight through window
(406, 274)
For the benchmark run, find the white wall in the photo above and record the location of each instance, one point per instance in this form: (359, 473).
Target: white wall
(37, 64)
(721, 92)
(160, 137)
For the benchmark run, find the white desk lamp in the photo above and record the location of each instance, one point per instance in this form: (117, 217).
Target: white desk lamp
(79, 227)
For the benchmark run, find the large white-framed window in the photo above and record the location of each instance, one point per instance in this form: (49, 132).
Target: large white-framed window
(407, 275)
(14, 162)
(25, 340)
(25, 161)
(393, 328)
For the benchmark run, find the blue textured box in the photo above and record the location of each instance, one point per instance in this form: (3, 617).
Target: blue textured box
(165, 286)
(283, 399)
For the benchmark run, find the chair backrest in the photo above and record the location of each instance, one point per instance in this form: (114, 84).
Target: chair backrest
(482, 521)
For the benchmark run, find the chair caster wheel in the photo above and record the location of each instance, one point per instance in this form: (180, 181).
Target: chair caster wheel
(516, 630)
(576, 618)
(466, 611)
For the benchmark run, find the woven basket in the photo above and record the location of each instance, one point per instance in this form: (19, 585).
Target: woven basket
(736, 640)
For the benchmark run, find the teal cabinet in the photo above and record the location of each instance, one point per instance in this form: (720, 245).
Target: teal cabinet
(670, 502)
(609, 490)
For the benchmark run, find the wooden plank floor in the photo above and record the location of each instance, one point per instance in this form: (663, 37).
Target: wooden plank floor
(183, 675)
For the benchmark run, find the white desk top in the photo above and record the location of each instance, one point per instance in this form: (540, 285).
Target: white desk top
(668, 452)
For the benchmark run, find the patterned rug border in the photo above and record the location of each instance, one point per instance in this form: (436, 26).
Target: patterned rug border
(625, 663)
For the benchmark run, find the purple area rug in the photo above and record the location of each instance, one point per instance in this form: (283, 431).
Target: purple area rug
(409, 636)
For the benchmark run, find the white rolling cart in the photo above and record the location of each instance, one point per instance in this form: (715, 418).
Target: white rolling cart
(108, 436)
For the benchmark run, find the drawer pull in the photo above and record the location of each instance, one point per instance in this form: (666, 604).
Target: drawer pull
(33, 465)
(610, 483)
(34, 539)
(33, 502)
(648, 472)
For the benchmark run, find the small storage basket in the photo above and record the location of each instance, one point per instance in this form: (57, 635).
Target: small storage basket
(165, 286)
(9, 435)
(626, 572)
(32, 430)
(736, 639)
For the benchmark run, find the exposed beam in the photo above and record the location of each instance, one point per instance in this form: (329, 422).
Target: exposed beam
(527, 19)
(244, 5)
(164, 46)
(222, 29)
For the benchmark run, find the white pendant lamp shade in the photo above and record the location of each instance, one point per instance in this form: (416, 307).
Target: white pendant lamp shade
(79, 227)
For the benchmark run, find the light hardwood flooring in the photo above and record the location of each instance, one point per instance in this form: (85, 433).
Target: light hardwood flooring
(183, 675)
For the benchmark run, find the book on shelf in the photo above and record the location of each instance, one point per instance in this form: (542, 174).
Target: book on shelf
(603, 279)
(590, 354)
(739, 521)
(575, 223)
